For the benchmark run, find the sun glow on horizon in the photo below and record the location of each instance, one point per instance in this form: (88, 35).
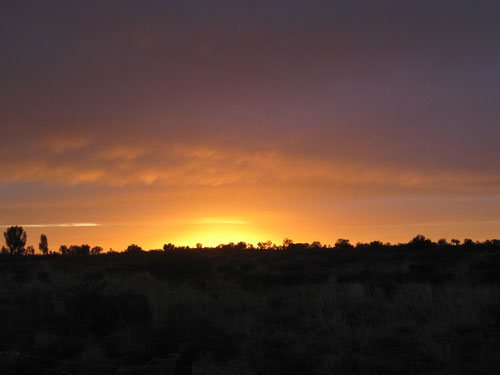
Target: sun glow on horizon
(214, 220)
(211, 233)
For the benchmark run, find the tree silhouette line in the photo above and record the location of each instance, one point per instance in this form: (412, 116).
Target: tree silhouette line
(15, 240)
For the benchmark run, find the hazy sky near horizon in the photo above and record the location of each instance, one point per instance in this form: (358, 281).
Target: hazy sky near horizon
(216, 121)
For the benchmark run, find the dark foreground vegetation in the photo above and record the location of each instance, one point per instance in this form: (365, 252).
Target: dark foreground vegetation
(416, 308)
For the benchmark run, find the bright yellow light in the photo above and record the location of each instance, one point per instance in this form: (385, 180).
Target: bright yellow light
(211, 235)
(214, 220)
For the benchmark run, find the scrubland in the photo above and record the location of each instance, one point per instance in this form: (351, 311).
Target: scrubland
(408, 309)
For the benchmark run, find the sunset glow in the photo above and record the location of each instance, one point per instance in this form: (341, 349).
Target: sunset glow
(188, 122)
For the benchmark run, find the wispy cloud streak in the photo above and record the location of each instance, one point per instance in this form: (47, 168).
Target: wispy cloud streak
(59, 225)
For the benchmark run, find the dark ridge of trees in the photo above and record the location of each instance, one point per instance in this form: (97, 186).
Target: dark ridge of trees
(80, 250)
(15, 239)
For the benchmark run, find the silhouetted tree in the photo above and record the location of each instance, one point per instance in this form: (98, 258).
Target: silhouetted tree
(5, 250)
(79, 250)
(84, 250)
(287, 242)
(63, 249)
(455, 242)
(343, 244)
(133, 249)
(420, 241)
(265, 245)
(442, 242)
(227, 246)
(15, 239)
(199, 246)
(43, 245)
(240, 245)
(168, 247)
(298, 246)
(30, 250)
(376, 244)
(468, 242)
(315, 244)
(96, 250)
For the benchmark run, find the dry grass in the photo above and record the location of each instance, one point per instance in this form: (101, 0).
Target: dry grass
(360, 319)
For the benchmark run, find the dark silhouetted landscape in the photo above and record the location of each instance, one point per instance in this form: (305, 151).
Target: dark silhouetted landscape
(421, 307)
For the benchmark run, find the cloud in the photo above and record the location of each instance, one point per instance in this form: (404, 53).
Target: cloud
(63, 144)
(118, 152)
(60, 225)
(183, 165)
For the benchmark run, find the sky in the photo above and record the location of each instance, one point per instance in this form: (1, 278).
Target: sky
(152, 121)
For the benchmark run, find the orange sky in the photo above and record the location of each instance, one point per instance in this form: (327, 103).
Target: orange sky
(186, 122)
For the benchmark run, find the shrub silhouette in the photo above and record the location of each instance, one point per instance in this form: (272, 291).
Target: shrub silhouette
(420, 241)
(79, 250)
(265, 245)
(96, 250)
(287, 242)
(442, 242)
(134, 249)
(64, 250)
(168, 247)
(343, 244)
